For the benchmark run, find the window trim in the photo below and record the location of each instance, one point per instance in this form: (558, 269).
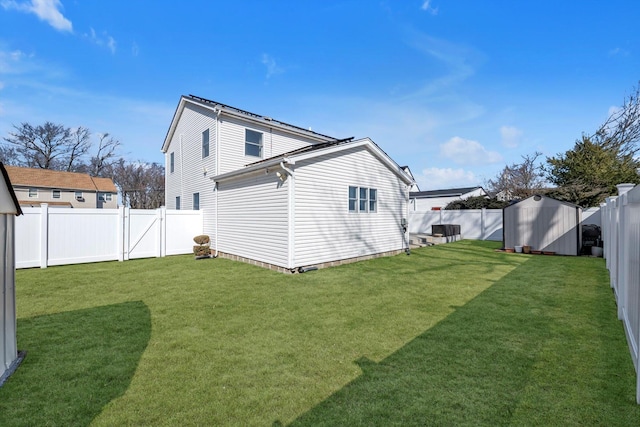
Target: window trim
(353, 201)
(373, 201)
(260, 144)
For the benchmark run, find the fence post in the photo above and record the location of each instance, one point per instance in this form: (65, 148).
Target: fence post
(120, 233)
(483, 224)
(44, 235)
(161, 235)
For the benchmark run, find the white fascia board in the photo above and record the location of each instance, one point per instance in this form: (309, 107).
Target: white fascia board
(364, 142)
(251, 168)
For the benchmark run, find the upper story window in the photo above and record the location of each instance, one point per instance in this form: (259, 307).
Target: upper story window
(196, 201)
(55, 194)
(205, 143)
(33, 192)
(252, 143)
(363, 199)
(171, 162)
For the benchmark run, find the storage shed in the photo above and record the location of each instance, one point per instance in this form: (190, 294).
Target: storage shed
(9, 207)
(544, 224)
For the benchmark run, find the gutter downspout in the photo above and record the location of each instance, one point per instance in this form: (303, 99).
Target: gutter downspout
(292, 214)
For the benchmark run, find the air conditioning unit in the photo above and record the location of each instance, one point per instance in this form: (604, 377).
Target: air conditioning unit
(80, 199)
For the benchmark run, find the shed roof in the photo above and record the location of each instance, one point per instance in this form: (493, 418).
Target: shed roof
(545, 202)
(47, 178)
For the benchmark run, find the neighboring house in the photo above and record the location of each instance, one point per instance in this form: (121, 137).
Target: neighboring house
(33, 187)
(281, 195)
(435, 200)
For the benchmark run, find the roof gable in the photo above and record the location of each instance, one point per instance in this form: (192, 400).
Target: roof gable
(228, 110)
(315, 151)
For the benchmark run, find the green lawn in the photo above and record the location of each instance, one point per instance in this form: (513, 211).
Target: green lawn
(455, 334)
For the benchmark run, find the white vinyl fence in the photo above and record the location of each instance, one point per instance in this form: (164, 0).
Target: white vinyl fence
(621, 232)
(55, 236)
(475, 224)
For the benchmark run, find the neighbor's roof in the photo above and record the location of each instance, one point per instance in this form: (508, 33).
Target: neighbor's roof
(237, 112)
(450, 192)
(47, 178)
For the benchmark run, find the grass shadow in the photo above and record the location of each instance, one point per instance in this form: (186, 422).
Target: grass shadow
(77, 362)
(504, 358)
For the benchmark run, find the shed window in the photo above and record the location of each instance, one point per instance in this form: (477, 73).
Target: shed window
(55, 194)
(252, 143)
(205, 143)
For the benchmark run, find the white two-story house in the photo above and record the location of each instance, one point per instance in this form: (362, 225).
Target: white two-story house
(282, 196)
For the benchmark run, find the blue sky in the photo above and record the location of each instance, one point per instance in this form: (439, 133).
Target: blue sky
(455, 89)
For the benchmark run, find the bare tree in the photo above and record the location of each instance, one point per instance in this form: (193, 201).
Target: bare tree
(518, 180)
(78, 145)
(141, 184)
(100, 164)
(621, 131)
(40, 146)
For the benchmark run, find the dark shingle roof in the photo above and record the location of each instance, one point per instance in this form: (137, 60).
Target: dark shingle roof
(449, 192)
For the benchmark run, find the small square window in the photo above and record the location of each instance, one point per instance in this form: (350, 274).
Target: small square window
(55, 194)
(33, 192)
(252, 143)
(107, 197)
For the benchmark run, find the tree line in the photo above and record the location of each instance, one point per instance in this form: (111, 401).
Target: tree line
(57, 147)
(584, 175)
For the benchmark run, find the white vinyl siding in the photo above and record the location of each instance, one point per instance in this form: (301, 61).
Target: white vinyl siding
(253, 218)
(325, 230)
(192, 173)
(274, 142)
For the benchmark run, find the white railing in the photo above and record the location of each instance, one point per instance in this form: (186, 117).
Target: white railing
(55, 236)
(621, 233)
